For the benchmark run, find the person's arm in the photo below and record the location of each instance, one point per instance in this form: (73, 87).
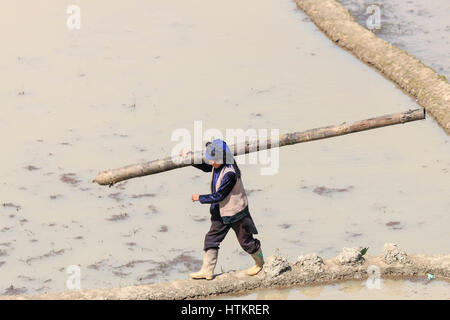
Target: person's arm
(228, 182)
(203, 166)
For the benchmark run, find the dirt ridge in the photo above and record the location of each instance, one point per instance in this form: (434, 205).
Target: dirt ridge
(309, 269)
(430, 89)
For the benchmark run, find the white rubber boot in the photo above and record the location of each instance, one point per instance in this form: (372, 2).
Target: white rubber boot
(209, 263)
(259, 262)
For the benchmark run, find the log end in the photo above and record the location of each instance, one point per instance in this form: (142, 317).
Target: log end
(103, 178)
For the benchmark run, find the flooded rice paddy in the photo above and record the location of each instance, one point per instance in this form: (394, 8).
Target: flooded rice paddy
(420, 27)
(76, 102)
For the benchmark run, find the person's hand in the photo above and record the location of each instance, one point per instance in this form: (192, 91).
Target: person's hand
(195, 197)
(184, 152)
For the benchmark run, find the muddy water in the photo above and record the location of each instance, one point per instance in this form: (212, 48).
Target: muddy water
(386, 290)
(110, 94)
(420, 27)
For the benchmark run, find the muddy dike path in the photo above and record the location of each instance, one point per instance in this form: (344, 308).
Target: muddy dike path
(309, 269)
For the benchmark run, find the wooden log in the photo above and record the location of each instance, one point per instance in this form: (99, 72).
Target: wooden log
(110, 177)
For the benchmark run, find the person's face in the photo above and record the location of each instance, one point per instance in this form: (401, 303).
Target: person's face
(215, 164)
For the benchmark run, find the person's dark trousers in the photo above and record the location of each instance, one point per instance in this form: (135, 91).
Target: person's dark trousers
(244, 229)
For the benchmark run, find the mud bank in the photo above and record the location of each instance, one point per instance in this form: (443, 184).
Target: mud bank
(308, 270)
(431, 90)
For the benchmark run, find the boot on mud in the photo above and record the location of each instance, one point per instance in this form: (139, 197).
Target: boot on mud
(209, 263)
(259, 262)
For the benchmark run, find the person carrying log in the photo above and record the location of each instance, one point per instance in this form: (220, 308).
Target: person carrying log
(229, 209)
(113, 176)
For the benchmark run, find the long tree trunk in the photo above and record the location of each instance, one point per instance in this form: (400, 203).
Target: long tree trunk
(110, 177)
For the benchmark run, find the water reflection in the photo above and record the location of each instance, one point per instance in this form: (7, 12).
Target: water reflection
(390, 289)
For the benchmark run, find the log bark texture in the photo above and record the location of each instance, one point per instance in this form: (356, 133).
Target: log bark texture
(110, 177)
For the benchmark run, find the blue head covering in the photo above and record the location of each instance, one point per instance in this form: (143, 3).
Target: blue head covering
(219, 152)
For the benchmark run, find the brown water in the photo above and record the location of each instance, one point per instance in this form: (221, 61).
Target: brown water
(417, 289)
(110, 94)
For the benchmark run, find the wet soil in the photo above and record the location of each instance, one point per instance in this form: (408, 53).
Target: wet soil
(309, 270)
